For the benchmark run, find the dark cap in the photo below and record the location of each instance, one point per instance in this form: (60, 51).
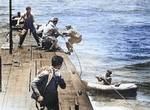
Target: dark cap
(108, 73)
(28, 7)
(55, 20)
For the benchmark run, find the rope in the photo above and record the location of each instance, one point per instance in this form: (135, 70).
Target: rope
(116, 91)
(104, 79)
(79, 62)
(76, 56)
(120, 94)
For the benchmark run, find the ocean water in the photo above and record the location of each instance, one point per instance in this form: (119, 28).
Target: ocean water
(116, 36)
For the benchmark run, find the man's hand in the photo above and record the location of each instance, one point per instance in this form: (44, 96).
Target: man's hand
(40, 99)
(57, 73)
(17, 24)
(65, 34)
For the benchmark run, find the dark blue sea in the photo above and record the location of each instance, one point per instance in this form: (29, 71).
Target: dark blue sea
(116, 36)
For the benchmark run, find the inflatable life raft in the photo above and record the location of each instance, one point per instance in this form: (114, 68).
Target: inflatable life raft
(128, 88)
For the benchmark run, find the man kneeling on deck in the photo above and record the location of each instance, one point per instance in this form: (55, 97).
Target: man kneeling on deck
(50, 34)
(45, 85)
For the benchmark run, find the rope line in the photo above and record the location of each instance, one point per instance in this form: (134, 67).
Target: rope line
(114, 89)
(76, 56)
(120, 94)
(104, 79)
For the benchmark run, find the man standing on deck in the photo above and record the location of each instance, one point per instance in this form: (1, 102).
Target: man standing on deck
(47, 94)
(29, 24)
(50, 34)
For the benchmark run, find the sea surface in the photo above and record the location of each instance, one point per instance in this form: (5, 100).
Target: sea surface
(116, 36)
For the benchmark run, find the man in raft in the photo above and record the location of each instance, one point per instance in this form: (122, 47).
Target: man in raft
(107, 79)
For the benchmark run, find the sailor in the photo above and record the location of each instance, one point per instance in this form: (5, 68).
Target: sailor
(40, 29)
(29, 24)
(75, 37)
(47, 94)
(107, 79)
(50, 34)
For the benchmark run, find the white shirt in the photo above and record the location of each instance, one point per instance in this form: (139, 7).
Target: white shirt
(49, 29)
(41, 28)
